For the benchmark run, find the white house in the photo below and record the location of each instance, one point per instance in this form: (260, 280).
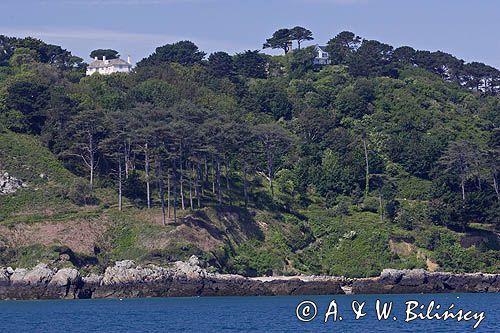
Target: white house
(322, 56)
(106, 67)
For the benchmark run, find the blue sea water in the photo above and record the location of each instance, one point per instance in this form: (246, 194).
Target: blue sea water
(239, 314)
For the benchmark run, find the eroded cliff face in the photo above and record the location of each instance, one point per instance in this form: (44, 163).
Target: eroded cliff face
(125, 279)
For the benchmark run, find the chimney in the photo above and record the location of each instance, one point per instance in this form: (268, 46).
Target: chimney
(128, 59)
(95, 58)
(104, 58)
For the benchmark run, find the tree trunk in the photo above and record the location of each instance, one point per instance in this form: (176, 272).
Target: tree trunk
(367, 165)
(202, 190)
(495, 185)
(478, 170)
(175, 197)
(162, 194)
(213, 176)
(126, 152)
(270, 172)
(120, 197)
(181, 181)
(190, 188)
(381, 207)
(462, 185)
(168, 194)
(206, 170)
(91, 160)
(245, 185)
(226, 169)
(219, 193)
(196, 183)
(146, 169)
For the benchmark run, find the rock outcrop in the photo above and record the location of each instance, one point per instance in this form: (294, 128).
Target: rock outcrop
(126, 279)
(39, 282)
(9, 184)
(392, 281)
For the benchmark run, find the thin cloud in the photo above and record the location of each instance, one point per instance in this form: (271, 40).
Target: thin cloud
(336, 2)
(111, 37)
(125, 2)
(89, 34)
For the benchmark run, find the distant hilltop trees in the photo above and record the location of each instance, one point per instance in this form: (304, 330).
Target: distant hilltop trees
(283, 38)
(108, 53)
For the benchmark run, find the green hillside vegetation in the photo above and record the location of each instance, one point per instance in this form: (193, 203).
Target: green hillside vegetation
(258, 164)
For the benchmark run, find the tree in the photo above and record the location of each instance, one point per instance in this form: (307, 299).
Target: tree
(342, 47)
(28, 97)
(251, 64)
(22, 56)
(220, 64)
(281, 39)
(300, 34)
(493, 161)
(404, 55)
(184, 52)
(50, 54)
(101, 53)
(302, 62)
(114, 147)
(274, 140)
(440, 63)
(457, 161)
(371, 59)
(385, 189)
(86, 130)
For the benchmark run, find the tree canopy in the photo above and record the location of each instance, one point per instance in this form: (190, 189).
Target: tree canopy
(282, 38)
(183, 52)
(108, 53)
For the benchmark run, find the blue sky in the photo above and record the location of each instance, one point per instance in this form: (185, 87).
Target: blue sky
(467, 29)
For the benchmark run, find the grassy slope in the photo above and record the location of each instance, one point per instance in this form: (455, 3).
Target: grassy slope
(259, 241)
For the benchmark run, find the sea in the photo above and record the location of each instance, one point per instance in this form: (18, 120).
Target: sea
(335, 313)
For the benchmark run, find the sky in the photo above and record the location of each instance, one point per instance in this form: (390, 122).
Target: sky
(467, 29)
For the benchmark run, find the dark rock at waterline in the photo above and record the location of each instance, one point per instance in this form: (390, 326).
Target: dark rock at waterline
(393, 281)
(126, 279)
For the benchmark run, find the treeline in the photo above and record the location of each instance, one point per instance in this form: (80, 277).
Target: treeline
(388, 130)
(189, 154)
(366, 57)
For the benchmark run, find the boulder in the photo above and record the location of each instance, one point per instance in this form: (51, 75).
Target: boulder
(65, 277)
(40, 274)
(9, 184)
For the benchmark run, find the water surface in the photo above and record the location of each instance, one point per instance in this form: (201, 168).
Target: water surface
(238, 314)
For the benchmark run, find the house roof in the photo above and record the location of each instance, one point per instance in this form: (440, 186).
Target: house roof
(107, 63)
(323, 48)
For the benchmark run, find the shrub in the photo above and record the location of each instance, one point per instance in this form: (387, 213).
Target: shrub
(371, 204)
(411, 215)
(81, 194)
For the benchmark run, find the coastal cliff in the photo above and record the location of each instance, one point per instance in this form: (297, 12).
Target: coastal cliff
(126, 280)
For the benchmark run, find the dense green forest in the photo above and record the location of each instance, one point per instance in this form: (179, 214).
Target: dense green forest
(388, 157)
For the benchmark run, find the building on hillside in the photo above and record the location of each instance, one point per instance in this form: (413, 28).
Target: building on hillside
(322, 56)
(109, 66)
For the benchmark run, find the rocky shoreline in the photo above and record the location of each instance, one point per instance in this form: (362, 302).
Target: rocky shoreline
(126, 280)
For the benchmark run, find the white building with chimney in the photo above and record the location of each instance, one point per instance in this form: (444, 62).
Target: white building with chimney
(109, 66)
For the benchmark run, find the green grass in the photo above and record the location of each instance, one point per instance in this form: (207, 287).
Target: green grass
(24, 157)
